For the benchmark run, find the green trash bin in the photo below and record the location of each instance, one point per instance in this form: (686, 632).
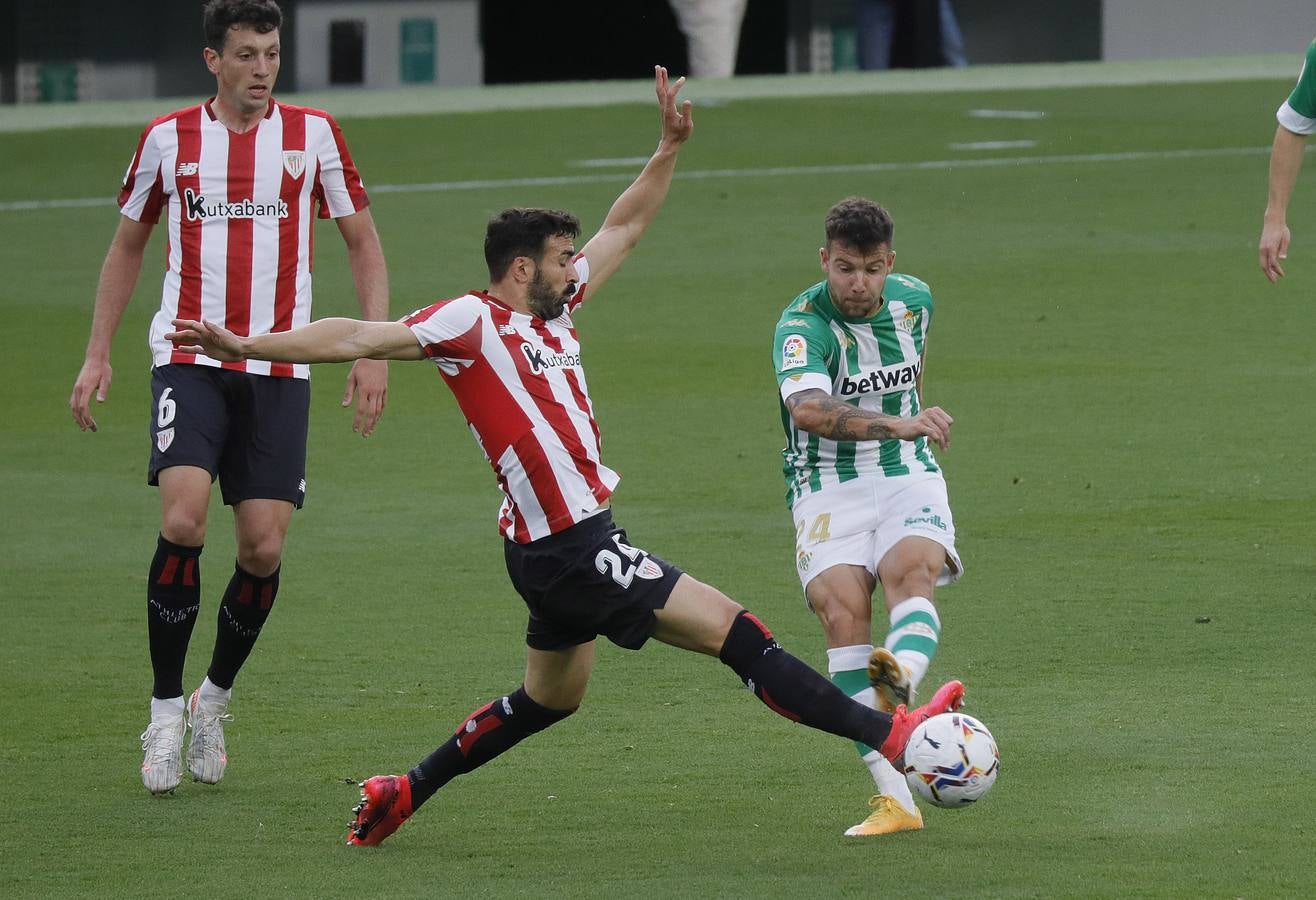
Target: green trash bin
(416, 51)
(845, 48)
(57, 82)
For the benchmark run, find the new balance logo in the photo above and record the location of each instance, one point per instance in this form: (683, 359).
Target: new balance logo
(186, 169)
(197, 207)
(506, 330)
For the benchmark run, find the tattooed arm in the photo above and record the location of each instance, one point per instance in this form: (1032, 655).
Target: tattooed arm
(818, 412)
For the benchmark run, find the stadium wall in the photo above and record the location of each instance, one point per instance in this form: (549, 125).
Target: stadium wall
(1136, 29)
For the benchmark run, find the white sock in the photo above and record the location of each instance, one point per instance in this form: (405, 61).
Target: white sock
(214, 696)
(848, 668)
(166, 712)
(889, 781)
(851, 664)
(849, 659)
(915, 630)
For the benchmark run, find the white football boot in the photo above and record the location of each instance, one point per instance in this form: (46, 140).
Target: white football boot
(206, 756)
(162, 749)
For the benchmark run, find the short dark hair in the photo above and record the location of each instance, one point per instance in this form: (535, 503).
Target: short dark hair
(219, 16)
(522, 232)
(860, 224)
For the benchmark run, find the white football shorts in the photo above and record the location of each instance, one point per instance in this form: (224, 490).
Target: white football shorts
(856, 523)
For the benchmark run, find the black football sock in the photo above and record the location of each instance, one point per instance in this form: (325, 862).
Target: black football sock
(242, 614)
(792, 689)
(173, 596)
(487, 732)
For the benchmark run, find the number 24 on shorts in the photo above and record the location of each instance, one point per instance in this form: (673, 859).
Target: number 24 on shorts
(820, 530)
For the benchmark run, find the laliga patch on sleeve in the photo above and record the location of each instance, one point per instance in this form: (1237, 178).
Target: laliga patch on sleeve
(794, 352)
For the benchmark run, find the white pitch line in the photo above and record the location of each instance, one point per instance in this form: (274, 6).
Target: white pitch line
(766, 172)
(614, 163)
(993, 145)
(1006, 114)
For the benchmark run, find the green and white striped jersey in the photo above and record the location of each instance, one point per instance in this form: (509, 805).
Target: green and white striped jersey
(1298, 112)
(873, 363)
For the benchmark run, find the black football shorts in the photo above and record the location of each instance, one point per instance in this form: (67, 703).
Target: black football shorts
(247, 430)
(588, 581)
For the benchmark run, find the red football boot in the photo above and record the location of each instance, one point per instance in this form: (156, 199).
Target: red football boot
(903, 721)
(385, 805)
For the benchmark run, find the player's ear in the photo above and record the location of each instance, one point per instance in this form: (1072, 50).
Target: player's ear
(822, 257)
(212, 60)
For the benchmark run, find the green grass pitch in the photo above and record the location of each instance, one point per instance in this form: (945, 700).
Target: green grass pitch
(1130, 474)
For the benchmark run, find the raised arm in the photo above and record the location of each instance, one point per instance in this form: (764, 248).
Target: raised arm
(632, 212)
(1285, 162)
(123, 263)
(818, 412)
(365, 255)
(326, 340)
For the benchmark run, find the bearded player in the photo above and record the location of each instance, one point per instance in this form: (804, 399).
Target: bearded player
(512, 358)
(866, 494)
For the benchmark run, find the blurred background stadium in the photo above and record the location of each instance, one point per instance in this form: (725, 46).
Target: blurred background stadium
(1129, 471)
(62, 50)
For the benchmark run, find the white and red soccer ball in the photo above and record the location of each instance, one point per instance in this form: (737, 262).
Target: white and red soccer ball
(951, 760)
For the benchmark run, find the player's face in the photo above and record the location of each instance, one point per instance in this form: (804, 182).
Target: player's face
(555, 279)
(855, 277)
(246, 70)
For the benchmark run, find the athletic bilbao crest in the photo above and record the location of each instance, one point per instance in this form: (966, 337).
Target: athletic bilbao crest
(163, 438)
(294, 162)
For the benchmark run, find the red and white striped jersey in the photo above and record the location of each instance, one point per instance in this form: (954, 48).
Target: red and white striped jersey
(520, 384)
(240, 210)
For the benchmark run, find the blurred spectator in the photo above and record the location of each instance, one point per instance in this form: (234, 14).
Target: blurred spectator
(875, 22)
(712, 34)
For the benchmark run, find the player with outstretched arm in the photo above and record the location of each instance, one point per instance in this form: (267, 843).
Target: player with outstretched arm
(512, 359)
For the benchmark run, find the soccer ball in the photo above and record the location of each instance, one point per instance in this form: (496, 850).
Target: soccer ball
(951, 760)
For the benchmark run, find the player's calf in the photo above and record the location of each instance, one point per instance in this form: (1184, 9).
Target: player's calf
(794, 690)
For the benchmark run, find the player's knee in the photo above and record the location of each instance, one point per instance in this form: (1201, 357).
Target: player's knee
(722, 616)
(915, 580)
(260, 555)
(180, 524)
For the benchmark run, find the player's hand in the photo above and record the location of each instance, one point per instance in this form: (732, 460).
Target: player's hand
(93, 379)
(932, 423)
(677, 122)
(369, 381)
(213, 340)
(1274, 247)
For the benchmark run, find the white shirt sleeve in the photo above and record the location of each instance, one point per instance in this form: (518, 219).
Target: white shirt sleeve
(1295, 121)
(142, 195)
(805, 381)
(446, 329)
